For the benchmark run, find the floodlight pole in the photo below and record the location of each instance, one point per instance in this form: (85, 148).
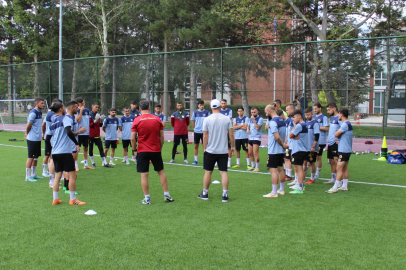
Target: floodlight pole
(60, 53)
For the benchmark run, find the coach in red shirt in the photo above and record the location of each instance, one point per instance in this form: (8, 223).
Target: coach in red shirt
(180, 121)
(150, 133)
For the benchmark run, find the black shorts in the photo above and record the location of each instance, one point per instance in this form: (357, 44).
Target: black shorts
(83, 140)
(34, 149)
(177, 138)
(321, 149)
(252, 142)
(198, 137)
(311, 157)
(48, 148)
(241, 143)
(343, 157)
(288, 154)
(126, 143)
(210, 160)
(275, 160)
(143, 159)
(332, 151)
(64, 162)
(298, 158)
(112, 143)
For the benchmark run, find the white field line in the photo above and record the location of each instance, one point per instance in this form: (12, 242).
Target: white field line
(231, 170)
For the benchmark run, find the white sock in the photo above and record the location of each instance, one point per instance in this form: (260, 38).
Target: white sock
(257, 165)
(86, 164)
(253, 164)
(274, 188)
(92, 159)
(289, 172)
(282, 187)
(166, 193)
(312, 176)
(55, 194)
(111, 160)
(104, 160)
(225, 192)
(229, 160)
(205, 191)
(76, 164)
(44, 168)
(51, 178)
(318, 171)
(345, 183)
(337, 184)
(126, 158)
(248, 161)
(238, 161)
(33, 170)
(72, 195)
(133, 157)
(196, 158)
(147, 197)
(333, 176)
(27, 173)
(296, 178)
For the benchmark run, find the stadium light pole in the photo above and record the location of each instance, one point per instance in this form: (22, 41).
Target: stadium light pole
(60, 53)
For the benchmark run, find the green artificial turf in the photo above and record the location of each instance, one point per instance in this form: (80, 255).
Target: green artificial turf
(359, 229)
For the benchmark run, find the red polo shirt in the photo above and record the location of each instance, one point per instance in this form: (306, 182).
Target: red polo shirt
(148, 127)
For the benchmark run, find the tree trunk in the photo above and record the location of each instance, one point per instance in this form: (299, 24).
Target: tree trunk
(325, 68)
(36, 76)
(148, 73)
(389, 83)
(73, 93)
(172, 96)
(313, 75)
(10, 83)
(103, 74)
(244, 97)
(114, 85)
(193, 86)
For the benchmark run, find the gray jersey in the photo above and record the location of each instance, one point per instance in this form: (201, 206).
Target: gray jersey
(217, 125)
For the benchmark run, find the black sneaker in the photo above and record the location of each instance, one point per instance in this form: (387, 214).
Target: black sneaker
(144, 201)
(94, 165)
(108, 166)
(225, 198)
(203, 197)
(169, 199)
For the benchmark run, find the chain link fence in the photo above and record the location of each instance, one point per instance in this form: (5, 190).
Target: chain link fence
(356, 77)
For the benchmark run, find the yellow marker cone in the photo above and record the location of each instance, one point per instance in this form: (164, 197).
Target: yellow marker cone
(384, 145)
(382, 159)
(384, 149)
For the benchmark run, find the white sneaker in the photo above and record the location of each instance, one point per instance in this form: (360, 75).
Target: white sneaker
(331, 182)
(133, 159)
(185, 161)
(295, 186)
(292, 183)
(45, 174)
(172, 161)
(83, 161)
(332, 190)
(51, 186)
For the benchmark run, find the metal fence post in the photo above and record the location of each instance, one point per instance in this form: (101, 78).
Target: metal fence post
(305, 103)
(49, 84)
(383, 113)
(152, 82)
(221, 67)
(97, 91)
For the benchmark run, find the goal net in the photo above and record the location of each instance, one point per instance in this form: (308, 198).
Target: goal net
(14, 112)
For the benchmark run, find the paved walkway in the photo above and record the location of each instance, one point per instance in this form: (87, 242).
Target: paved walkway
(376, 121)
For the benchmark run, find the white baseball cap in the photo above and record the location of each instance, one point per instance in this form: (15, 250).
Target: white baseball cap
(214, 104)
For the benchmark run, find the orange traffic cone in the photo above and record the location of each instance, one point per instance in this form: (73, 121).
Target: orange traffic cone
(357, 122)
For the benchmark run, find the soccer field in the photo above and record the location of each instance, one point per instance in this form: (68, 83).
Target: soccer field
(359, 229)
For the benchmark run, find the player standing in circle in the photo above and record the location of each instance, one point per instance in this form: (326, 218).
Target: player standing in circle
(300, 140)
(198, 117)
(180, 121)
(62, 136)
(332, 140)
(278, 106)
(290, 110)
(215, 145)
(323, 126)
(134, 112)
(240, 125)
(314, 135)
(33, 134)
(227, 112)
(95, 122)
(150, 133)
(110, 127)
(254, 138)
(344, 152)
(158, 112)
(126, 121)
(83, 118)
(276, 151)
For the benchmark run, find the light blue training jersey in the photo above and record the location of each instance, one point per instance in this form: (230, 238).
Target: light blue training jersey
(241, 134)
(48, 121)
(61, 143)
(323, 122)
(227, 112)
(198, 117)
(289, 126)
(85, 121)
(301, 144)
(334, 126)
(345, 143)
(255, 135)
(161, 116)
(313, 127)
(111, 125)
(35, 117)
(276, 125)
(126, 124)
